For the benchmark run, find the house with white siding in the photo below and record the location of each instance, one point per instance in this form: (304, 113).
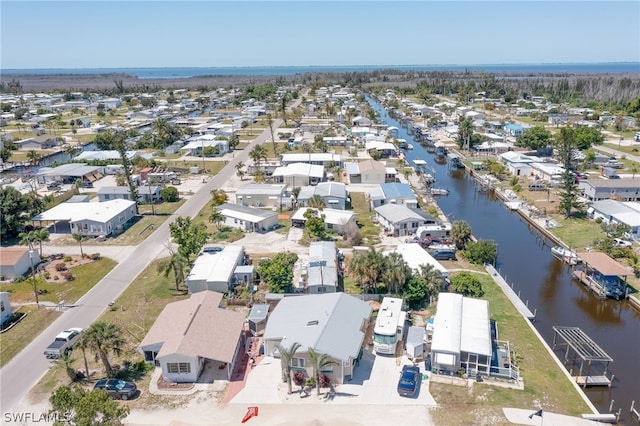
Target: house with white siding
(248, 219)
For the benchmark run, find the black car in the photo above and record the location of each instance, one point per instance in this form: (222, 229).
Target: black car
(117, 389)
(409, 380)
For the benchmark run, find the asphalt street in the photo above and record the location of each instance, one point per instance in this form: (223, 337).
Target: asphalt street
(25, 370)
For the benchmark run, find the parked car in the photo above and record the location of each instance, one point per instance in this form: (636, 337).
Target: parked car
(409, 380)
(63, 343)
(53, 186)
(117, 389)
(618, 242)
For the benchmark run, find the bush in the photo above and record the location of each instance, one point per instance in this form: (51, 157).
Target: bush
(169, 194)
(298, 378)
(61, 266)
(311, 382)
(56, 278)
(325, 381)
(18, 279)
(67, 259)
(68, 276)
(95, 256)
(46, 275)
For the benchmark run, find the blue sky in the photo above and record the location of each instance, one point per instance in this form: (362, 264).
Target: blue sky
(95, 34)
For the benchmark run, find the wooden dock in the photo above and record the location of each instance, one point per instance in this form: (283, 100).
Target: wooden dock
(511, 295)
(584, 279)
(592, 381)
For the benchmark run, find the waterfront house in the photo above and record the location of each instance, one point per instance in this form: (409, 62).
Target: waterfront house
(393, 193)
(195, 338)
(215, 270)
(261, 195)
(399, 220)
(248, 219)
(15, 261)
(333, 324)
(416, 257)
(604, 189)
(335, 220)
(367, 171)
(334, 194)
(617, 212)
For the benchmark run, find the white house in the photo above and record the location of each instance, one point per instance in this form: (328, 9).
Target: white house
(5, 307)
(91, 219)
(333, 324)
(192, 335)
(214, 271)
(604, 189)
(334, 194)
(393, 193)
(299, 174)
(248, 219)
(322, 268)
(401, 220)
(323, 159)
(368, 172)
(261, 195)
(336, 220)
(15, 261)
(196, 144)
(146, 194)
(618, 212)
(416, 257)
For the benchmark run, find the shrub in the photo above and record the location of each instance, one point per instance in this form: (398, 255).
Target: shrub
(325, 381)
(18, 279)
(56, 278)
(311, 382)
(67, 259)
(298, 378)
(46, 275)
(68, 276)
(61, 266)
(169, 194)
(95, 256)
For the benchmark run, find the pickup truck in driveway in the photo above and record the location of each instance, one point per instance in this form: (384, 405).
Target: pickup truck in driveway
(63, 343)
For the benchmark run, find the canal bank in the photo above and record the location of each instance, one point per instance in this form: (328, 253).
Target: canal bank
(544, 282)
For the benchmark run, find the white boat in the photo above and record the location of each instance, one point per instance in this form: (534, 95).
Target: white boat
(439, 191)
(565, 254)
(409, 147)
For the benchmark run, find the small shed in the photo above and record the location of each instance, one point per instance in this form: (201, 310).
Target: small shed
(416, 343)
(258, 318)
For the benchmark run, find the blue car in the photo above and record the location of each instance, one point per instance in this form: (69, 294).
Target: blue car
(409, 381)
(117, 389)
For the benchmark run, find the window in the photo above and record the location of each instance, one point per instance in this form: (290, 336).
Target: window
(297, 362)
(179, 367)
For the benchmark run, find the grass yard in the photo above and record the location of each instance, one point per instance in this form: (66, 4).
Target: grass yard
(545, 385)
(17, 338)
(577, 233)
(632, 150)
(369, 231)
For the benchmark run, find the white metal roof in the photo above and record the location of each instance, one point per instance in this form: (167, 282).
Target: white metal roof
(416, 256)
(216, 266)
(332, 216)
(476, 332)
(300, 169)
(447, 326)
(98, 212)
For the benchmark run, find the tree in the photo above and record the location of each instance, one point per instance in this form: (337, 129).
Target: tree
(175, 264)
(169, 194)
(317, 202)
(481, 252)
(365, 268)
(80, 407)
(536, 137)
(286, 358)
(257, 154)
(234, 141)
(314, 224)
(15, 209)
(7, 150)
(432, 278)
(110, 140)
(27, 239)
(189, 236)
(41, 236)
(566, 146)
(34, 157)
(395, 272)
(78, 237)
(218, 197)
(239, 170)
(460, 234)
(465, 131)
(104, 338)
(278, 271)
(408, 171)
(273, 139)
(83, 344)
(466, 284)
(586, 137)
(216, 217)
(319, 362)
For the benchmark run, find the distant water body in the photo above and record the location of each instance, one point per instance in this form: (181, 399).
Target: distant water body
(186, 72)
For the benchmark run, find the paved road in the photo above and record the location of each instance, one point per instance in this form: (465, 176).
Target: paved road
(25, 369)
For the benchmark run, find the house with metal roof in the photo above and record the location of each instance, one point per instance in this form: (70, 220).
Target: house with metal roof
(69, 173)
(393, 193)
(604, 189)
(400, 220)
(195, 336)
(319, 158)
(322, 269)
(215, 270)
(248, 219)
(618, 212)
(368, 171)
(333, 324)
(334, 194)
(461, 335)
(416, 257)
(336, 220)
(261, 195)
(146, 193)
(299, 174)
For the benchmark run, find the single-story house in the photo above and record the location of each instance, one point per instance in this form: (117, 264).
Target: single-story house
(387, 149)
(196, 144)
(323, 159)
(368, 171)
(461, 335)
(393, 193)
(91, 219)
(361, 121)
(604, 189)
(514, 130)
(336, 220)
(261, 195)
(322, 268)
(15, 261)
(333, 324)
(299, 174)
(107, 155)
(215, 271)
(416, 257)
(192, 335)
(248, 219)
(401, 220)
(619, 212)
(334, 194)
(146, 194)
(547, 172)
(5, 307)
(70, 173)
(37, 142)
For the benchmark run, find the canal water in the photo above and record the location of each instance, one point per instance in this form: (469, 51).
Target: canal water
(544, 282)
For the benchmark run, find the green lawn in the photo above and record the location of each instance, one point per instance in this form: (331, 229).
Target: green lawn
(577, 233)
(632, 150)
(369, 231)
(544, 383)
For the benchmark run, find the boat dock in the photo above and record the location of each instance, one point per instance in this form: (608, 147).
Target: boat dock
(590, 284)
(511, 295)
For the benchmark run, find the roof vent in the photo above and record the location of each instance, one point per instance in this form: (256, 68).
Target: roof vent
(314, 322)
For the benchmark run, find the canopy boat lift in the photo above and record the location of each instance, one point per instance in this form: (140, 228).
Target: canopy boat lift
(587, 350)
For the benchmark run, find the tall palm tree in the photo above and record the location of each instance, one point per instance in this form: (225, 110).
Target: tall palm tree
(460, 234)
(104, 338)
(239, 170)
(257, 154)
(396, 272)
(83, 344)
(465, 131)
(27, 239)
(433, 279)
(78, 237)
(175, 264)
(34, 157)
(41, 236)
(319, 362)
(286, 357)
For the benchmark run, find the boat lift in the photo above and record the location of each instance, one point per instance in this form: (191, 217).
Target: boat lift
(587, 350)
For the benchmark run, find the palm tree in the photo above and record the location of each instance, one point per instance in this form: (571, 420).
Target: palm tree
(408, 171)
(432, 278)
(78, 237)
(34, 157)
(257, 154)
(27, 239)
(175, 264)
(41, 236)
(258, 176)
(286, 357)
(316, 202)
(83, 344)
(103, 338)
(396, 272)
(319, 362)
(239, 171)
(460, 234)
(465, 130)
(216, 217)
